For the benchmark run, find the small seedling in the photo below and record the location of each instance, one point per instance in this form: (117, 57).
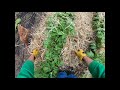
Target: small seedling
(17, 22)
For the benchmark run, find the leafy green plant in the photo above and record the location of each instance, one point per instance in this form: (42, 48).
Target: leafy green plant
(93, 46)
(90, 54)
(99, 27)
(58, 27)
(100, 57)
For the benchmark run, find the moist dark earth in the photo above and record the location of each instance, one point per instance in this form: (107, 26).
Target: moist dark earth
(29, 20)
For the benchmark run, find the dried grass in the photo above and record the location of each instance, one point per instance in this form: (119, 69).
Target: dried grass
(38, 36)
(84, 36)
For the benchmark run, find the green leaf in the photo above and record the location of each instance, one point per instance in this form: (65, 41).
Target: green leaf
(60, 33)
(93, 46)
(100, 29)
(50, 74)
(61, 63)
(46, 69)
(17, 22)
(55, 71)
(90, 54)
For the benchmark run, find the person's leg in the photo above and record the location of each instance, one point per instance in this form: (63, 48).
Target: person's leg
(71, 76)
(62, 75)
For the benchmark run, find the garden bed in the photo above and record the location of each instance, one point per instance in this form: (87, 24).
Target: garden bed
(42, 28)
